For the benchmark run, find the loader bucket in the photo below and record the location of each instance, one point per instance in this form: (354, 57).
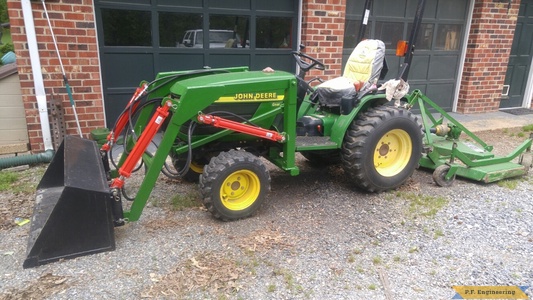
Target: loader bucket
(72, 214)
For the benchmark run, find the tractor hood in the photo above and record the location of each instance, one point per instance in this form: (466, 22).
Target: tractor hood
(192, 95)
(197, 93)
(229, 84)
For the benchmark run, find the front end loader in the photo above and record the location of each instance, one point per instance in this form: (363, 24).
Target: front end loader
(217, 126)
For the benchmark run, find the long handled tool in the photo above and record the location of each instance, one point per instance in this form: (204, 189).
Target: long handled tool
(65, 79)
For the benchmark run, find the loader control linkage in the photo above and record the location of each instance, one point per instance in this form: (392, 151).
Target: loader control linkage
(242, 128)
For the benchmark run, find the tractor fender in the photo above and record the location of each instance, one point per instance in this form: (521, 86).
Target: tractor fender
(343, 122)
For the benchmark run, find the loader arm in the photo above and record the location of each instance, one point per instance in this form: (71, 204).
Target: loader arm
(192, 95)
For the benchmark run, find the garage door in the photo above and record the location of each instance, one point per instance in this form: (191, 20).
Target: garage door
(520, 58)
(139, 38)
(437, 58)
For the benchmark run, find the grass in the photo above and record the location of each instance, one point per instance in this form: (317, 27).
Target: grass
(351, 258)
(6, 37)
(413, 249)
(528, 128)
(438, 233)
(510, 184)
(21, 182)
(7, 180)
(182, 201)
(522, 133)
(288, 277)
(423, 205)
(513, 183)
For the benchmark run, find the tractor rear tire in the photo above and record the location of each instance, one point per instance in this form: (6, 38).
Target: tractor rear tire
(382, 148)
(234, 185)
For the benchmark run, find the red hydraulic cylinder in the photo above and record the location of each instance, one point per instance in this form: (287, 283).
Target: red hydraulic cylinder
(123, 119)
(140, 147)
(240, 127)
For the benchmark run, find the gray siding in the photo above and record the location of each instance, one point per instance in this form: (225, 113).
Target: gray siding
(13, 129)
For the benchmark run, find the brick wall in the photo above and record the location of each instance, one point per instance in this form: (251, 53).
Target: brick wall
(488, 49)
(322, 34)
(74, 27)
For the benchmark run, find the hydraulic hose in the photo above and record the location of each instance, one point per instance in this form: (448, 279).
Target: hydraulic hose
(44, 157)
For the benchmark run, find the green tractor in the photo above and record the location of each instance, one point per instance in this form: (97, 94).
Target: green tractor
(217, 126)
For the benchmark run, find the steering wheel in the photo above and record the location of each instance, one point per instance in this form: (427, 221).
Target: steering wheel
(306, 66)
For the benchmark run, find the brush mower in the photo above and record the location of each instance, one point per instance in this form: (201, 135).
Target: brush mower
(217, 124)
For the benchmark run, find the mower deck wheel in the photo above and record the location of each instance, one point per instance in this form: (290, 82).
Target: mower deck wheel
(439, 176)
(526, 160)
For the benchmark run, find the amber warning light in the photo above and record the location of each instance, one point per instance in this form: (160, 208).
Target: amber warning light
(401, 48)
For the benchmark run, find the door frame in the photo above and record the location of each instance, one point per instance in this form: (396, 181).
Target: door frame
(462, 60)
(528, 93)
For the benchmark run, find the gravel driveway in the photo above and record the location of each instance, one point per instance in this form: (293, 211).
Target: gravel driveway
(315, 238)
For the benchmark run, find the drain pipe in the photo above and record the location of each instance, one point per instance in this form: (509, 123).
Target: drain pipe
(9, 162)
(39, 93)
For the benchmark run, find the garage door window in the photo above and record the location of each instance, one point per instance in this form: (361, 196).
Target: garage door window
(389, 32)
(174, 26)
(424, 41)
(448, 37)
(126, 27)
(229, 31)
(274, 32)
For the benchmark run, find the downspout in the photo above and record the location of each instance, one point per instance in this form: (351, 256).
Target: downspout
(39, 93)
(299, 32)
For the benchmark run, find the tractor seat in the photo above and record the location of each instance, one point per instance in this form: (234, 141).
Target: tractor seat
(364, 64)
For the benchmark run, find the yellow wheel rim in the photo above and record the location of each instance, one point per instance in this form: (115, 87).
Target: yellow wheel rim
(392, 152)
(240, 190)
(196, 167)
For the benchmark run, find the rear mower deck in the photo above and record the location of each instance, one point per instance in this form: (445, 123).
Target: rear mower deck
(451, 156)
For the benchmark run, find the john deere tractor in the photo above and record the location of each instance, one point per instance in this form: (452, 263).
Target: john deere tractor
(216, 125)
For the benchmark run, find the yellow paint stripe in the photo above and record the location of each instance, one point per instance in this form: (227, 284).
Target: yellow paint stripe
(232, 99)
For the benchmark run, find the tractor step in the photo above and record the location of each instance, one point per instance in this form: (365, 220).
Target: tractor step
(304, 143)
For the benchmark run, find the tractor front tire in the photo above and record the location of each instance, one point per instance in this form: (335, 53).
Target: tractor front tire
(234, 185)
(382, 148)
